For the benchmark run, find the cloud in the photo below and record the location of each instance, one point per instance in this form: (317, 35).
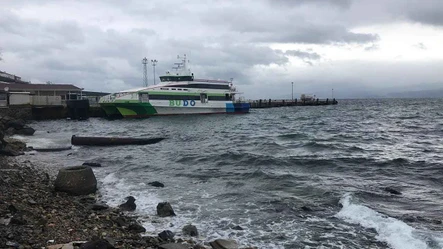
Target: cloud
(372, 47)
(296, 3)
(420, 45)
(99, 45)
(427, 12)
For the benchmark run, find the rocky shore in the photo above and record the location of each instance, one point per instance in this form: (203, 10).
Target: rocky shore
(34, 215)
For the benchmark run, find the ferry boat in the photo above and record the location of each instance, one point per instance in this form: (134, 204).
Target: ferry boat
(178, 93)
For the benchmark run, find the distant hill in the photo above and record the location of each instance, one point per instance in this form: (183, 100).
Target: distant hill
(436, 93)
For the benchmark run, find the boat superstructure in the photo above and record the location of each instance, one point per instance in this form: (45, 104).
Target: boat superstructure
(178, 93)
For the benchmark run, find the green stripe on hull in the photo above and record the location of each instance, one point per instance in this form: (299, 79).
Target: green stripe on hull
(109, 109)
(135, 109)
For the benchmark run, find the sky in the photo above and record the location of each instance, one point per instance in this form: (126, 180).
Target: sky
(340, 48)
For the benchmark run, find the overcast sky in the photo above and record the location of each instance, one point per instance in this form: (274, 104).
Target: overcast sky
(356, 47)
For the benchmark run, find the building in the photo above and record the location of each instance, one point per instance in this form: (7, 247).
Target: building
(55, 90)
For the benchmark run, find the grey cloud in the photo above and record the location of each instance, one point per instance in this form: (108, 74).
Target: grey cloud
(303, 55)
(372, 47)
(427, 12)
(295, 3)
(313, 34)
(420, 45)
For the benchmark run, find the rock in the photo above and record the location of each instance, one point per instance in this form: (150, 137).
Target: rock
(15, 145)
(99, 206)
(199, 247)
(13, 208)
(224, 244)
(92, 164)
(306, 209)
(61, 246)
(27, 131)
(32, 202)
(137, 228)
(10, 131)
(12, 244)
(190, 230)
(157, 184)
(16, 124)
(78, 180)
(5, 221)
(166, 235)
(173, 246)
(164, 209)
(97, 244)
(129, 205)
(120, 221)
(18, 220)
(392, 191)
(9, 152)
(237, 228)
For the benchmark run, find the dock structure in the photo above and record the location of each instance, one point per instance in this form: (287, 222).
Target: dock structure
(269, 103)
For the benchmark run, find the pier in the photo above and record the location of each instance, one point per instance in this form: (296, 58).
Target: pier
(269, 103)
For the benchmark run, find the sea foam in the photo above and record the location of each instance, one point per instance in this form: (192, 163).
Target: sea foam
(395, 233)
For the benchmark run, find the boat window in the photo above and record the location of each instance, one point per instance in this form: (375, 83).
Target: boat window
(144, 97)
(173, 89)
(173, 97)
(219, 98)
(204, 98)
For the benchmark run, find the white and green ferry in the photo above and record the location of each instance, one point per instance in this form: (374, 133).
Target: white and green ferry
(178, 93)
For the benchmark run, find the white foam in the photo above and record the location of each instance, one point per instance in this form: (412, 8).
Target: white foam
(396, 233)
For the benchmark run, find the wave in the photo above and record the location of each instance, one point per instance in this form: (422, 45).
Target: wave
(395, 233)
(293, 136)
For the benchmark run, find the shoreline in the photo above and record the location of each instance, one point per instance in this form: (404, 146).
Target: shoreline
(34, 215)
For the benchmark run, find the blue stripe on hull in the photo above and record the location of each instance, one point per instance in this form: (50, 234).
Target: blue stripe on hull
(237, 107)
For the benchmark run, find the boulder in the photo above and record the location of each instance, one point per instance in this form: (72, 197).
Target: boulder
(392, 191)
(157, 184)
(190, 230)
(10, 131)
(237, 228)
(16, 124)
(15, 144)
(92, 164)
(166, 235)
(9, 152)
(97, 244)
(224, 244)
(164, 209)
(129, 205)
(27, 131)
(99, 206)
(77, 180)
(137, 228)
(173, 246)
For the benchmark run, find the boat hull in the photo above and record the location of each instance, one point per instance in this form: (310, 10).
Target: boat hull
(140, 110)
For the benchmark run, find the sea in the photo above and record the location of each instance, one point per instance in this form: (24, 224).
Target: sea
(288, 177)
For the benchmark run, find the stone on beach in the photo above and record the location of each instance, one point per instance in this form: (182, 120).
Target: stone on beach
(392, 191)
(190, 230)
(78, 180)
(164, 209)
(137, 228)
(157, 184)
(166, 235)
(129, 205)
(173, 246)
(224, 244)
(92, 164)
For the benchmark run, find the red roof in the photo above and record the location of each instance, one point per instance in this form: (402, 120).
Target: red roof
(41, 87)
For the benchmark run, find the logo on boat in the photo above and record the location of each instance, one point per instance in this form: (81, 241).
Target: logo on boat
(181, 103)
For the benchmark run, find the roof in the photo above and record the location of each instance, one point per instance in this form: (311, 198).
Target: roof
(37, 87)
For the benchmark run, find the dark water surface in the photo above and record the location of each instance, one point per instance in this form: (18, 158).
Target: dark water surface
(291, 177)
